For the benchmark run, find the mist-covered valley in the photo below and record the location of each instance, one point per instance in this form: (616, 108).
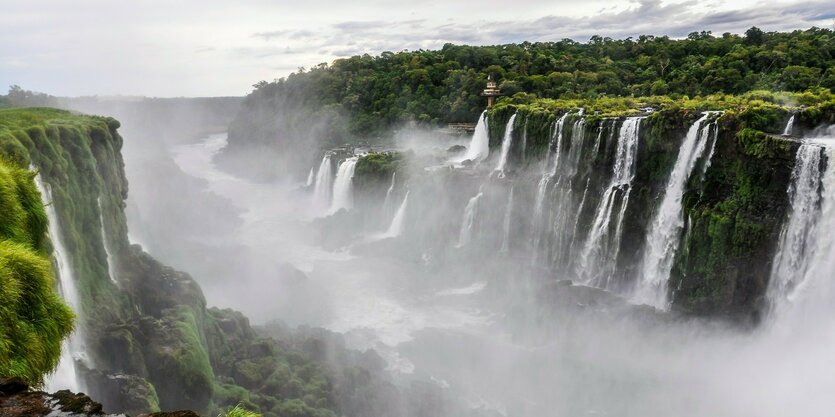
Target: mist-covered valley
(613, 228)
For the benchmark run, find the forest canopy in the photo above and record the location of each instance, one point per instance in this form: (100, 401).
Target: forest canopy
(375, 93)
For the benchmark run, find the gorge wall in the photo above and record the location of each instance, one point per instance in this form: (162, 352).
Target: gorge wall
(149, 340)
(679, 207)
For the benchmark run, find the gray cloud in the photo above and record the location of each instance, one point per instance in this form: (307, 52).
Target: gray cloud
(216, 47)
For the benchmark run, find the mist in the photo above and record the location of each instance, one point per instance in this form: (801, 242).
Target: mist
(492, 329)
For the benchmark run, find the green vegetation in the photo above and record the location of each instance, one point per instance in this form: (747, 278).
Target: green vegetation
(33, 319)
(735, 209)
(238, 411)
(153, 329)
(366, 96)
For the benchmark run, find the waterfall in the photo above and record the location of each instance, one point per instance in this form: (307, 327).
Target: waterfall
(788, 130)
(797, 240)
(479, 147)
(506, 142)
(600, 252)
(396, 227)
(387, 204)
(564, 202)
(111, 270)
(801, 288)
(323, 185)
(466, 233)
(310, 177)
(663, 238)
(65, 376)
(548, 173)
(508, 213)
(343, 192)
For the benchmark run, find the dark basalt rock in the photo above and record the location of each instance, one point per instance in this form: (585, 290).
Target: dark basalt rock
(12, 385)
(15, 402)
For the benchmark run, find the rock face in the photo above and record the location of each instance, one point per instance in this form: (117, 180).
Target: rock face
(16, 400)
(152, 342)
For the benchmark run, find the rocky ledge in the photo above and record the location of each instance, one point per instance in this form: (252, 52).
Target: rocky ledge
(17, 399)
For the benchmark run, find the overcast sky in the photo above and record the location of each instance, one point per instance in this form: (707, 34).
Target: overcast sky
(221, 47)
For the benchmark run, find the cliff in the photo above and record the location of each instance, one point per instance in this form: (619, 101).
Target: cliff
(151, 340)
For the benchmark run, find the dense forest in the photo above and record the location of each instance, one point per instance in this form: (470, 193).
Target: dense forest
(363, 97)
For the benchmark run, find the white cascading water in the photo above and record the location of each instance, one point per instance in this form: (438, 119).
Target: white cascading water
(479, 148)
(387, 203)
(801, 233)
(310, 177)
(343, 190)
(565, 201)
(507, 141)
(789, 126)
(663, 238)
(470, 211)
(324, 184)
(65, 376)
(600, 252)
(111, 270)
(508, 215)
(397, 223)
(548, 172)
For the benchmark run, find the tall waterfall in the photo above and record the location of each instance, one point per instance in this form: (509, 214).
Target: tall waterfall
(508, 215)
(600, 252)
(506, 142)
(663, 238)
(343, 192)
(111, 268)
(323, 185)
(552, 154)
(802, 233)
(65, 376)
(468, 222)
(552, 160)
(387, 203)
(310, 177)
(479, 147)
(561, 213)
(397, 223)
(789, 126)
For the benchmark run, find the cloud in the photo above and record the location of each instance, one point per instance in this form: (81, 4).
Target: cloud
(217, 47)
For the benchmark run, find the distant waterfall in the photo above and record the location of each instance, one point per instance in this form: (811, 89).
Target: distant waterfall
(600, 252)
(343, 192)
(324, 183)
(789, 126)
(802, 232)
(552, 160)
(111, 270)
(565, 200)
(397, 223)
(663, 238)
(479, 147)
(506, 142)
(387, 203)
(65, 376)
(548, 172)
(466, 233)
(508, 215)
(310, 177)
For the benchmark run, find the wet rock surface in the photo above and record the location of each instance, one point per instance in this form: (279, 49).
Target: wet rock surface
(16, 400)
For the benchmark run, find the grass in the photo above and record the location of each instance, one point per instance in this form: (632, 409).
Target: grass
(238, 411)
(33, 319)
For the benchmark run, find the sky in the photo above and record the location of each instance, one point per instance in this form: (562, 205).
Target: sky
(175, 48)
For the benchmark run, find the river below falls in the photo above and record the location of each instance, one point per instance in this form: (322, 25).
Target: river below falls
(450, 335)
